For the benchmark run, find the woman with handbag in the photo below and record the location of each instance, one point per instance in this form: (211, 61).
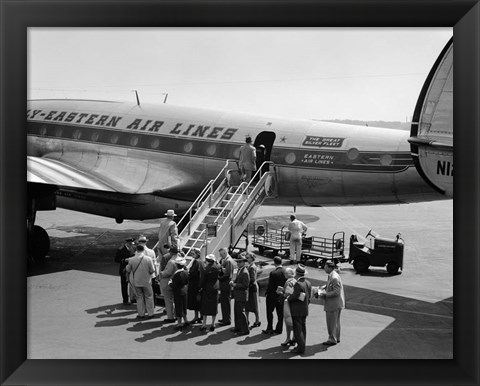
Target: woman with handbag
(209, 292)
(287, 316)
(196, 270)
(252, 302)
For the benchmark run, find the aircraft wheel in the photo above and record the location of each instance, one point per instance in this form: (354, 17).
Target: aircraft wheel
(38, 243)
(361, 265)
(392, 268)
(261, 249)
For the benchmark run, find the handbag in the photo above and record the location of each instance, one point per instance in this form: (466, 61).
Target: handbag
(156, 286)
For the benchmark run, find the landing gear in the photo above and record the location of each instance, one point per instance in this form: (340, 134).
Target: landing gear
(38, 240)
(38, 243)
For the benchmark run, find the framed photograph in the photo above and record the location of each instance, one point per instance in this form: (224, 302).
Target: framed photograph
(71, 354)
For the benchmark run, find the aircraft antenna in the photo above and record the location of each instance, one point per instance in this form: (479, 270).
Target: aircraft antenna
(166, 96)
(136, 95)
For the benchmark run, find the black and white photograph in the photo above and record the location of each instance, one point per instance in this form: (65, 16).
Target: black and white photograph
(240, 193)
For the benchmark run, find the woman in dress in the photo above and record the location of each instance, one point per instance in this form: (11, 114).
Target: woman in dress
(287, 317)
(195, 273)
(178, 283)
(252, 302)
(209, 291)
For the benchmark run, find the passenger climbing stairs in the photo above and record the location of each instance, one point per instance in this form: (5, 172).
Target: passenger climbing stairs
(223, 210)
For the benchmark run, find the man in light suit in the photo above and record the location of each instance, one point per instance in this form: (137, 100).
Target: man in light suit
(248, 159)
(334, 298)
(299, 302)
(240, 295)
(140, 269)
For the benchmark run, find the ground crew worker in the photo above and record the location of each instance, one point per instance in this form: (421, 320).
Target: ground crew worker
(296, 229)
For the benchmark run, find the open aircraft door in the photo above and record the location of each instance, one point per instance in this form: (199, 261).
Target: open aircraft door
(431, 134)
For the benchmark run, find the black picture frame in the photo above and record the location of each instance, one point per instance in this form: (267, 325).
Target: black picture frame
(17, 16)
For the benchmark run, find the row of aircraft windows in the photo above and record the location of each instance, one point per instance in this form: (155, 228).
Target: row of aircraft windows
(133, 141)
(211, 150)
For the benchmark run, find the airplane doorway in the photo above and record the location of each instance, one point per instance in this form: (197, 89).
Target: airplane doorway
(265, 138)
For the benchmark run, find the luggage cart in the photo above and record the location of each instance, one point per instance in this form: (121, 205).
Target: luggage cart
(322, 249)
(264, 238)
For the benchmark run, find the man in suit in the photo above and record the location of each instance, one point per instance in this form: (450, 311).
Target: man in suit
(274, 300)
(126, 251)
(240, 295)
(334, 298)
(167, 232)
(140, 269)
(248, 159)
(299, 302)
(225, 277)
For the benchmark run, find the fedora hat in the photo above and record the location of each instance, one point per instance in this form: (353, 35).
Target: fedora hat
(170, 212)
(300, 270)
(180, 260)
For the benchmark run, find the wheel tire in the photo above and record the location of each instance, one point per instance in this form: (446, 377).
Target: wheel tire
(39, 244)
(392, 268)
(361, 265)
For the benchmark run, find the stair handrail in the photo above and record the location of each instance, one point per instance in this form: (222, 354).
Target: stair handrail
(201, 196)
(203, 233)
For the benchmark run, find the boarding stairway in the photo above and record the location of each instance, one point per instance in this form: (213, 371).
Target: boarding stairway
(223, 210)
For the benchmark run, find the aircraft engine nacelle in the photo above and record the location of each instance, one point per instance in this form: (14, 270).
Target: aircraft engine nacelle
(431, 135)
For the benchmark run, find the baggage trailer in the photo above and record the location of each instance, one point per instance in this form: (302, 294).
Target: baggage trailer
(322, 249)
(264, 238)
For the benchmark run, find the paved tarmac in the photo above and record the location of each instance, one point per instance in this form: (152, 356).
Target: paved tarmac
(75, 309)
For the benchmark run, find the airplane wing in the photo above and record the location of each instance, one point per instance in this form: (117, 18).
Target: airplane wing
(109, 173)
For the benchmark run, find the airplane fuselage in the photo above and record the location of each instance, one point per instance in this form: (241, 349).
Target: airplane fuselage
(166, 154)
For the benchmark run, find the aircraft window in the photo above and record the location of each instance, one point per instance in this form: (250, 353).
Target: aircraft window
(95, 136)
(236, 153)
(211, 150)
(77, 134)
(134, 141)
(114, 138)
(58, 132)
(43, 130)
(352, 154)
(188, 147)
(155, 143)
(290, 158)
(386, 159)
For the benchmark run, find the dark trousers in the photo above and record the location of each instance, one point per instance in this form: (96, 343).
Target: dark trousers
(240, 316)
(300, 331)
(124, 285)
(273, 304)
(226, 306)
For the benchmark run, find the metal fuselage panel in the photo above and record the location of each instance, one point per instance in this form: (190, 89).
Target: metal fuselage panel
(317, 163)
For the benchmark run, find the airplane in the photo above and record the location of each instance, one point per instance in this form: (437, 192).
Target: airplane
(127, 160)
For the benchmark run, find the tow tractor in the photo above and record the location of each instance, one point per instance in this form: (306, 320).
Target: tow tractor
(384, 253)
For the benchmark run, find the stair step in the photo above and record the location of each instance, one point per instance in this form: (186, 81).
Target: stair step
(194, 243)
(215, 211)
(213, 218)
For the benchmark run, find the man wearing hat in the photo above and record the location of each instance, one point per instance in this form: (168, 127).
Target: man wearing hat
(240, 295)
(140, 269)
(334, 302)
(126, 251)
(299, 302)
(167, 233)
(224, 278)
(142, 240)
(248, 159)
(167, 291)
